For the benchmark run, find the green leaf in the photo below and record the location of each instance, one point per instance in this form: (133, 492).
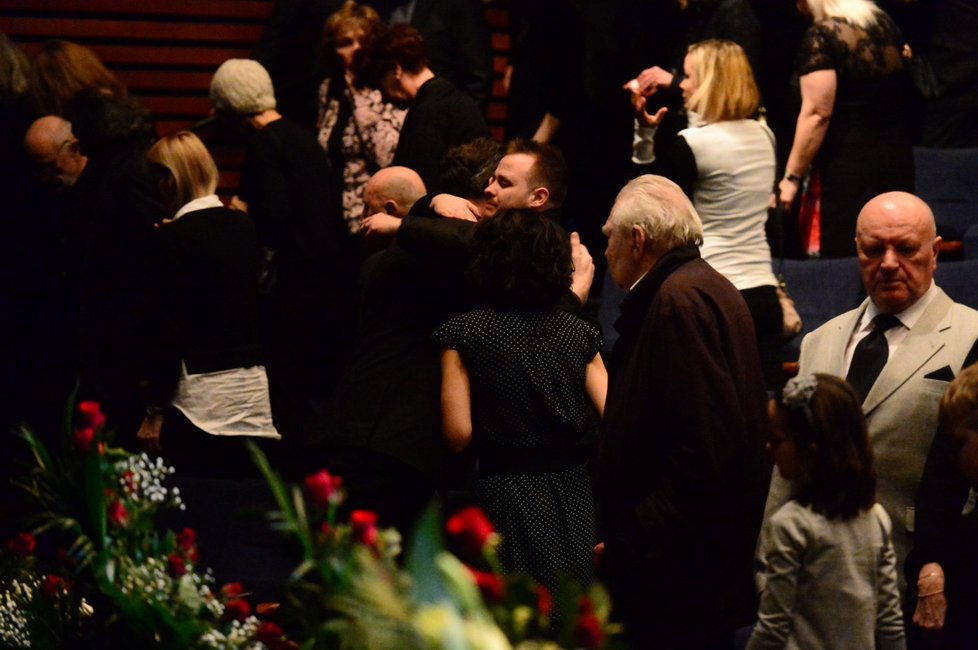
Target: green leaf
(426, 544)
(95, 503)
(290, 513)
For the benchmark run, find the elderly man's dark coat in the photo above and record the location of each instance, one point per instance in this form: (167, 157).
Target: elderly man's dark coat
(682, 470)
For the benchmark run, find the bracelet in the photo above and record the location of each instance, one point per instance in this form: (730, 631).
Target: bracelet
(930, 593)
(792, 178)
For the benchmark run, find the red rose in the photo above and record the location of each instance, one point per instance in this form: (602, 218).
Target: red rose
(186, 539)
(22, 545)
(544, 602)
(269, 633)
(326, 530)
(83, 439)
(90, 415)
(53, 586)
(116, 512)
(364, 524)
(587, 632)
(232, 590)
(322, 488)
(489, 584)
(469, 530)
(192, 555)
(177, 566)
(236, 610)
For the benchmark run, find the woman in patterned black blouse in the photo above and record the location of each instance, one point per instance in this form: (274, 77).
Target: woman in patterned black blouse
(523, 380)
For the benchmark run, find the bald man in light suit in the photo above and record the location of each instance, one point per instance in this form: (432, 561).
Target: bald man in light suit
(897, 245)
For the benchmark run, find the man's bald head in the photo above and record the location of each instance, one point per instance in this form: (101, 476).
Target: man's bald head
(897, 244)
(54, 148)
(392, 190)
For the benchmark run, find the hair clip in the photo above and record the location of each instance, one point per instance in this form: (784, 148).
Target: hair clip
(798, 391)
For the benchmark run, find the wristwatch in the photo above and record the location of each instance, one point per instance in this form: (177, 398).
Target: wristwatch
(792, 178)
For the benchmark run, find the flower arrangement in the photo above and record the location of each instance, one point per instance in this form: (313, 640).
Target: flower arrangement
(350, 592)
(95, 572)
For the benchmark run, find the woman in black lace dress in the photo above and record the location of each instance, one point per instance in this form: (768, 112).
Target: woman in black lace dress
(852, 140)
(524, 381)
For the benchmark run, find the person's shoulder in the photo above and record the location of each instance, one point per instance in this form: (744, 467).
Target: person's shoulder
(795, 521)
(964, 312)
(834, 323)
(695, 279)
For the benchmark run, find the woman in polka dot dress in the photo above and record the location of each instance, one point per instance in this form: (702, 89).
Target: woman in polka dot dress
(523, 380)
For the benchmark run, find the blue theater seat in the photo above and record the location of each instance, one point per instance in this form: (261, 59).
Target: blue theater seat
(959, 280)
(821, 289)
(947, 179)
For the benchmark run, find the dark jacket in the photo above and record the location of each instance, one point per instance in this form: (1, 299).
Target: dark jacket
(206, 288)
(388, 398)
(682, 472)
(441, 117)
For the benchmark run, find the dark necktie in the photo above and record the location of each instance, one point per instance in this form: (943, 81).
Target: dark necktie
(870, 355)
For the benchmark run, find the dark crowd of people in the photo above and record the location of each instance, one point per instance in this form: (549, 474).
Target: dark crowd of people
(394, 296)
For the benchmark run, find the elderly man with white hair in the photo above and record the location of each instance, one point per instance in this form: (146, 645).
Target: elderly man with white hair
(682, 473)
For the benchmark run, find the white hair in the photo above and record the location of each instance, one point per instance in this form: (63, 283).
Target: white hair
(861, 13)
(660, 208)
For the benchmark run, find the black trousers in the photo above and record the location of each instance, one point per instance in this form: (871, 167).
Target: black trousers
(765, 309)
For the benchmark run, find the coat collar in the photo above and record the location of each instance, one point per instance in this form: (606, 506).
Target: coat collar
(634, 305)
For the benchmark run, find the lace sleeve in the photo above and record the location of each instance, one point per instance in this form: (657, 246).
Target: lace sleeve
(817, 51)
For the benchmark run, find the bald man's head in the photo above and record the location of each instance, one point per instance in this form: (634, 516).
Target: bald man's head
(897, 244)
(392, 190)
(55, 150)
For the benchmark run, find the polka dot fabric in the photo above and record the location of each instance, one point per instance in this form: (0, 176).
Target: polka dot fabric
(526, 371)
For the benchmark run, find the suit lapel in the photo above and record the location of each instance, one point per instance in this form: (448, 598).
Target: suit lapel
(833, 353)
(919, 346)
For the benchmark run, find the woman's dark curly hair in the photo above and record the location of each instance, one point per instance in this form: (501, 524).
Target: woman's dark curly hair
(392, 46)
(521, 260)
(838, 478)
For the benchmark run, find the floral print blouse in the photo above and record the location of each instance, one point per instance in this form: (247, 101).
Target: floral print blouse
(369, 137)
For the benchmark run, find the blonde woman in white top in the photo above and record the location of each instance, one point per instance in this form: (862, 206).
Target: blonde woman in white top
(725, 162)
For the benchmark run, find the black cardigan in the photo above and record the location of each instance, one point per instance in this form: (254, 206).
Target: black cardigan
(205, 279)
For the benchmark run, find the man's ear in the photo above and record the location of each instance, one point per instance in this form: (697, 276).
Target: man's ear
(638, 242)
(390, 207)
(539, 198)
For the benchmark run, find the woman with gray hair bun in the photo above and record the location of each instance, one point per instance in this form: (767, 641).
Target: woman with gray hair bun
(852, 140)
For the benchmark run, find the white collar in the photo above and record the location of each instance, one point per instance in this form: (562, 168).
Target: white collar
(909, 316)
(200, 203)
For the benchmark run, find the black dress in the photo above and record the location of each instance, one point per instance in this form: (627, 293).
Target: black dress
(534, 429)
(867, 149)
